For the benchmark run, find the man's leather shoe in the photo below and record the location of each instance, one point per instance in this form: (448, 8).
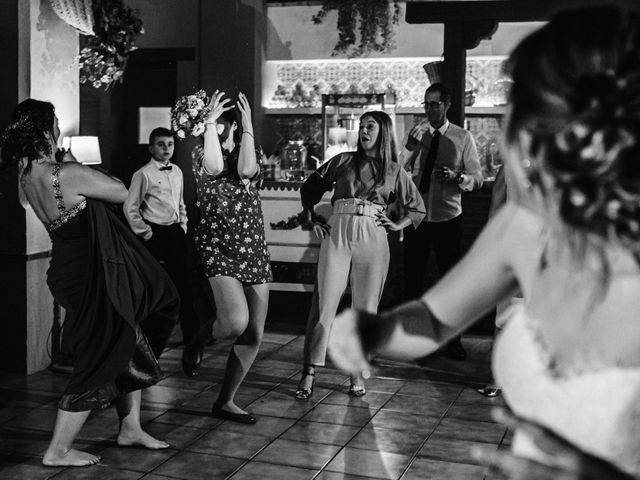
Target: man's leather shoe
(191, 359)
(455, 350)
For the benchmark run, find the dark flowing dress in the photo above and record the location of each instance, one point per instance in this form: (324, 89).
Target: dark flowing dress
(230, 236)
(109, 284)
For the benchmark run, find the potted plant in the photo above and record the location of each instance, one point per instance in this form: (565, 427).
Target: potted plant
(373, 20)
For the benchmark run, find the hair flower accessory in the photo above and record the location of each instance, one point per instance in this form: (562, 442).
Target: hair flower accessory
(189, 113)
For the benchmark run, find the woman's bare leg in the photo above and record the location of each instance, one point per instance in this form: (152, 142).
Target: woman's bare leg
(243, 311)
(60, 453)
(131, 433)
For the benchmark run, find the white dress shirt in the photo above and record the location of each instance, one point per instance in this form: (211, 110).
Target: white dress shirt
(155, 196)
(457, 151)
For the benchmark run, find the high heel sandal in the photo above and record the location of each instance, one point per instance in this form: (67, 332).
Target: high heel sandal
(356, 390)
(305, 393)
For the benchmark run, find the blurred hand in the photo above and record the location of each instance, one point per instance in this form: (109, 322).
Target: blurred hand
(245, 112)
(345, 346)
(569, 463)
(64, 155)
(218, 105)
(322, 230)
(445, 174)
(384, 221)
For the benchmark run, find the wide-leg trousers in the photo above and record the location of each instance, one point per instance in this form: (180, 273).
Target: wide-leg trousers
(356, 249)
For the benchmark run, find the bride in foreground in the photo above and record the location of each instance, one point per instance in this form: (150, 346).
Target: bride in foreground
(569, 358)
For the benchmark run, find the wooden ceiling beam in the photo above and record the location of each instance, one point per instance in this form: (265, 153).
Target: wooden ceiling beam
(442, 11)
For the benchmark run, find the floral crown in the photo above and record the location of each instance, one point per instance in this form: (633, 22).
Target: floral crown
(189, 113)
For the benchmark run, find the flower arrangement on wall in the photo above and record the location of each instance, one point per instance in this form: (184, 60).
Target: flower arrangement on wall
(374, 20)
(107, 45)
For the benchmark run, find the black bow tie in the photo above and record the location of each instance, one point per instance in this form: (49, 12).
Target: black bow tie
(167, 167)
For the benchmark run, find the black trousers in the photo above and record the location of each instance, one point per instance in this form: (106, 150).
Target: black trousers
(168, 245)
(443, 238)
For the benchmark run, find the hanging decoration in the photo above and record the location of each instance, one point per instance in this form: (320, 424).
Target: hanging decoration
(113, 30)
(373, 20)
(77, 13)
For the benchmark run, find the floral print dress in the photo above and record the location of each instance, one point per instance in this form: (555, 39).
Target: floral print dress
(230, 236)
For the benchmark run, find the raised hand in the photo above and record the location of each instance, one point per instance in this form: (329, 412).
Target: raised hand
(416, 134)
(218, 106)
(245, 112)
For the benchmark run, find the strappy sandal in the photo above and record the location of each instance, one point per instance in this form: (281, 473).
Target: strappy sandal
(357, 389)
(489, 391)
(305, 393)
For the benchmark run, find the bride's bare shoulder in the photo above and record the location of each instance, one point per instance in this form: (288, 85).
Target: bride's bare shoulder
(517, 225)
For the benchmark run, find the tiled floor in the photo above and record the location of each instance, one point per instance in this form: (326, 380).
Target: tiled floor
(414, 423)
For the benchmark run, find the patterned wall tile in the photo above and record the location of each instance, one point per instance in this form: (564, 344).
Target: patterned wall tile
(301, 83)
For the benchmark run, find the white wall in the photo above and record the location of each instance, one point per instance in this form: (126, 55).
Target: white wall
(48, 48)
(292, 35)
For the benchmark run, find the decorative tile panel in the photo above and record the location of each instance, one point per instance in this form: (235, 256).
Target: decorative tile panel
(301, 83)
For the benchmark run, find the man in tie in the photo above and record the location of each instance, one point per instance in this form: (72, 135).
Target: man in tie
(156, 212)
(443, 161)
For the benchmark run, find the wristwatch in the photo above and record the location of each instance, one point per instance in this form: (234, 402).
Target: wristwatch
(459, 178)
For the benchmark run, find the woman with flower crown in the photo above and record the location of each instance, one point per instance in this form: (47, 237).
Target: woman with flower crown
(230, 240)
(106, 281)
(569, 356)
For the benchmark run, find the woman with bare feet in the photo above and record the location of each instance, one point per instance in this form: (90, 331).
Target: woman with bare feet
(103, 278)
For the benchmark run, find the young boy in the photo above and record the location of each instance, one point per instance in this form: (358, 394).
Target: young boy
(156, 212)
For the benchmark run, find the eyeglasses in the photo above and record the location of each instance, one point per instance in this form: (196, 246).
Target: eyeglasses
(432, 104)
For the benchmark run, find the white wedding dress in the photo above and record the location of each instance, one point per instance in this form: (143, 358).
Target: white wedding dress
(598, 410)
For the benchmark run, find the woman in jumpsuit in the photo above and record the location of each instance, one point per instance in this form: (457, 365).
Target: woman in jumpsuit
(354, 241)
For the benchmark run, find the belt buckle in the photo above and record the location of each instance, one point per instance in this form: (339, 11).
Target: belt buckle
(360, 209)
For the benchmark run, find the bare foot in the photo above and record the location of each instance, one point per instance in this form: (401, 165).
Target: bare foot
(71, 458)
(140, 439)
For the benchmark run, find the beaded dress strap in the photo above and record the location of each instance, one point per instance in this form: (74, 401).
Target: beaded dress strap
(55, 181)
(65, 215)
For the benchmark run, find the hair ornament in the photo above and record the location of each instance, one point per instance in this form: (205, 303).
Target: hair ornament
(571, 136)
(577, 198)
(613, 208)
(23, 125)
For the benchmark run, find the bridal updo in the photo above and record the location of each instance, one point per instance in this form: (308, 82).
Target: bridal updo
(576, 93)
(26, 136)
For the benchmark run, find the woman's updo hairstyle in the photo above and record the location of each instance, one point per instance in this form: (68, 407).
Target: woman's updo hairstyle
(26, 136)
(576, 91)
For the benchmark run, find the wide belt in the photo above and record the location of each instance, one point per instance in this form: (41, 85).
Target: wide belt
(358, 207)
